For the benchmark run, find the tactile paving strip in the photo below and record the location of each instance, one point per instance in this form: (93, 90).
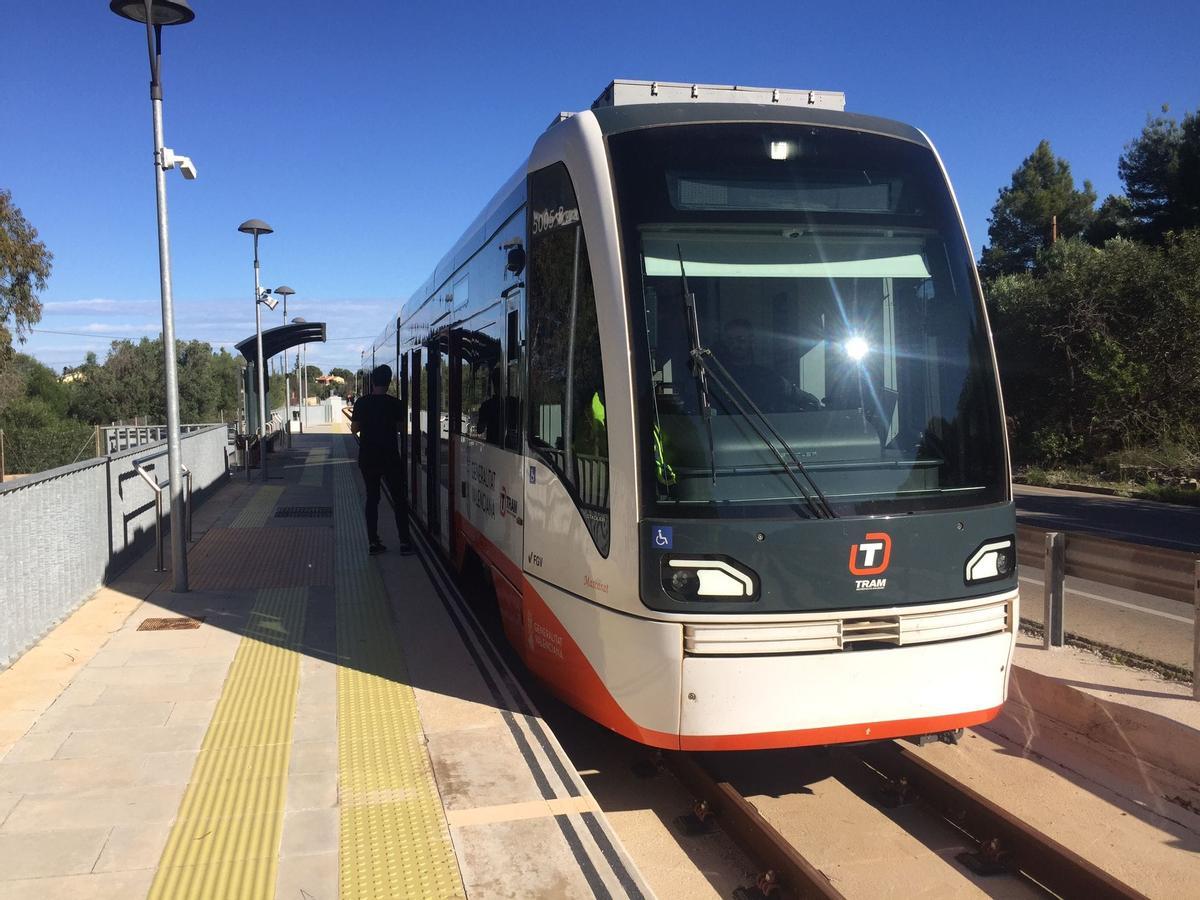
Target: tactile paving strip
(258, 510)
(314, 467)
(394, 839)
(239, 558)
(225, 841)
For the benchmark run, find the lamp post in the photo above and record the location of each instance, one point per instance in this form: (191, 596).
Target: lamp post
(284, 291)
(302, 377)
(256, 227)
(154, 15)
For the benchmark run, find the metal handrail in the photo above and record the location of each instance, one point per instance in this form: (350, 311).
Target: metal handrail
(115, 438)
(157, 486)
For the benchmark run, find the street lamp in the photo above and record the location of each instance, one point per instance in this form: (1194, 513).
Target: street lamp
(303, 376)
(284, 291)
(155, 15)
(257, 227)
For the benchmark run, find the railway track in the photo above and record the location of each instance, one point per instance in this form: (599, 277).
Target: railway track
(1004, 844)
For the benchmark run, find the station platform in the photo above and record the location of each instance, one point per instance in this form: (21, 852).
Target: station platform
(308, 721)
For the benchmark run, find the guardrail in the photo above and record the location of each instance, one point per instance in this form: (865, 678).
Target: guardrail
(1172, 574)
(139, 466)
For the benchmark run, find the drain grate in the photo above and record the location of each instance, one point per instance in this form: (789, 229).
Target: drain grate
(304, 512)
(174, 623)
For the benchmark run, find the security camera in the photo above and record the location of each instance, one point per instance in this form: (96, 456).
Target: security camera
(171, 159)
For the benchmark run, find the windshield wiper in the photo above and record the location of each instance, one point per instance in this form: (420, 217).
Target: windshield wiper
(701, 357)
(697, 363)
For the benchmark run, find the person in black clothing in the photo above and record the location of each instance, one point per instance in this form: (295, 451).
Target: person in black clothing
(770, 391)
(376, 420)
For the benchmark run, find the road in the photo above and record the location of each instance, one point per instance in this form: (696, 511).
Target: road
(1119, 518)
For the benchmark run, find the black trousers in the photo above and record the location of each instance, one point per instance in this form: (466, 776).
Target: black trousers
(374, 476)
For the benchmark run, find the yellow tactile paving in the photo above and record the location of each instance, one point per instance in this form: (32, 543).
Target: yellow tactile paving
(394, 838)
(314, 467)
(258, 511)
(225, 842)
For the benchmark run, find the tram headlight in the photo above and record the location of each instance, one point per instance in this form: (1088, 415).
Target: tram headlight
(992, 560)
(707, 579)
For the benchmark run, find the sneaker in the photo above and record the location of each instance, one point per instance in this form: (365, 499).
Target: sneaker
(406, 549)
(376, 548)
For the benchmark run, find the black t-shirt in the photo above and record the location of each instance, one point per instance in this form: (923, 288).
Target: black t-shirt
(379, 417)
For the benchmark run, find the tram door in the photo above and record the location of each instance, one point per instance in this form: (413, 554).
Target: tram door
(454, 419)
(403, 393)
(437, 471)
(417, 444)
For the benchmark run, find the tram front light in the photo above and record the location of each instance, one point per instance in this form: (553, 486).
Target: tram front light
(993, 560)
(706, 579)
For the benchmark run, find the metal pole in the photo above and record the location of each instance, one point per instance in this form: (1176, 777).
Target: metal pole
(174, 452)
(1053, 572)
(287, 386)
(262, 400)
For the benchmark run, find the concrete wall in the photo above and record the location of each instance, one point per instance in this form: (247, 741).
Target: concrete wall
(65, 532)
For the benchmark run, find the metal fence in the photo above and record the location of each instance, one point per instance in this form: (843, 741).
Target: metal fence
(69, 530)
(1159, 572)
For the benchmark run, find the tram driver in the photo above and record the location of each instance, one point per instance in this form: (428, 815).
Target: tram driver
(770, 391)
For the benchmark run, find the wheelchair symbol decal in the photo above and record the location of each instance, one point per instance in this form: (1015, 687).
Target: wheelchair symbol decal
(664, 537)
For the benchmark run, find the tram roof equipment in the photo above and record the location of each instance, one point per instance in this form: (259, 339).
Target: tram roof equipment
(628, 92)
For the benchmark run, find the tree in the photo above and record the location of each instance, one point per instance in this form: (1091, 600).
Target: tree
(1097, 349)
(1161, 173)
(1113, 219)
(1041, 191)
(24, 268)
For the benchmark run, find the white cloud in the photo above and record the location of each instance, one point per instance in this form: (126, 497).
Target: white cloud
(96, 305)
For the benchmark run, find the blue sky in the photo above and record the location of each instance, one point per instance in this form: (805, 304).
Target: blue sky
(369, 142)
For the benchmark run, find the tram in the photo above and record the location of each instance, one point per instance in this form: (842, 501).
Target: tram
(707, 393)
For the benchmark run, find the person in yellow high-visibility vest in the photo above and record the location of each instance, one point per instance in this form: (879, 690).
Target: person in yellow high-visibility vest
(662, 469)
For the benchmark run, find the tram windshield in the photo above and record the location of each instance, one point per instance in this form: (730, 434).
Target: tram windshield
(831, 287)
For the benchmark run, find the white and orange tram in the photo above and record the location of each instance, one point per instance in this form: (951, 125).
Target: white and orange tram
(707, 391)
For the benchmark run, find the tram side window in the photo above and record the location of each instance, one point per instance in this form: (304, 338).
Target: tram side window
(482, 382)
(567, 421)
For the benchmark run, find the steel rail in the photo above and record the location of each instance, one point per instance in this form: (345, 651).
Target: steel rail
(1035, 854)
(781, 864)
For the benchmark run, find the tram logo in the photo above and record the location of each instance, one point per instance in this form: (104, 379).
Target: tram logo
(508, 504)
(872, 555)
